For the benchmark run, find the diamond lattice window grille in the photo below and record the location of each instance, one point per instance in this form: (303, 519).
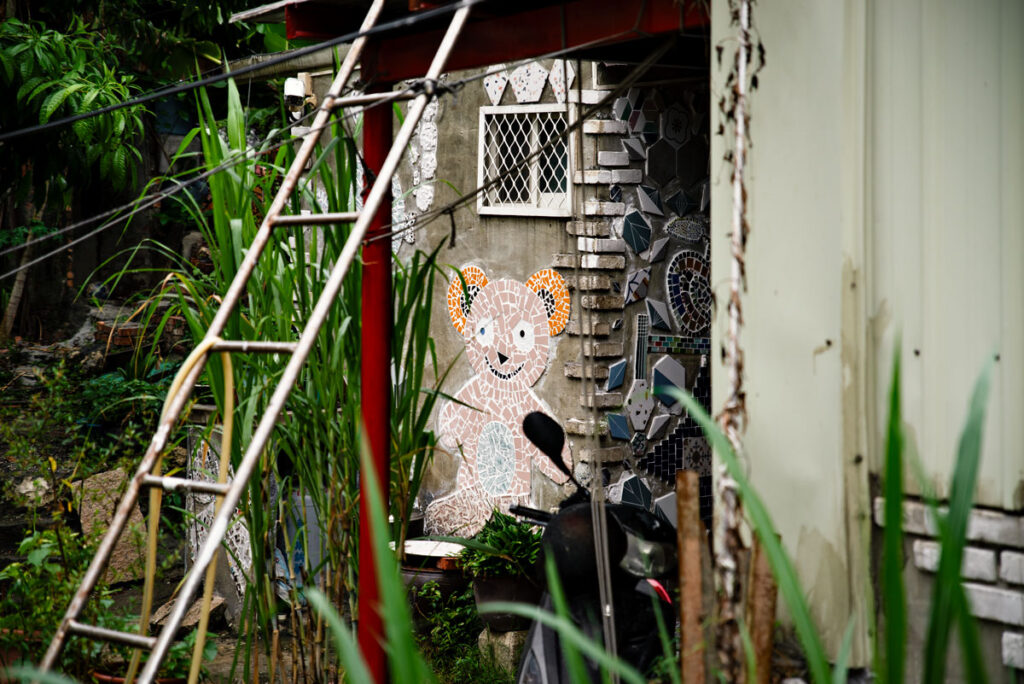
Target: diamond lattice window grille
(528, 183)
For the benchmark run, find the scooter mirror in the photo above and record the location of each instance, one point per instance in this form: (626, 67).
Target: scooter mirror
(547, 435)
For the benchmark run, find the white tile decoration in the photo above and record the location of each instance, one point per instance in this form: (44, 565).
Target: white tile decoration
(561, 77)
(495, 82)
(528, 82)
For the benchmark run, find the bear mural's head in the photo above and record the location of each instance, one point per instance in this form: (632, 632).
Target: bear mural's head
(507, 325)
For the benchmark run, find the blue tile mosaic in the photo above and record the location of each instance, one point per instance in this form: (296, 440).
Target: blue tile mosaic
(618, 426)
(636, 231)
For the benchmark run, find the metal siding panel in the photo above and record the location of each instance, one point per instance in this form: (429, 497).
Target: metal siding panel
(940, 269)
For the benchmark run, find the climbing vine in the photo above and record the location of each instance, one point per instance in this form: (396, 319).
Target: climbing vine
(742, 78)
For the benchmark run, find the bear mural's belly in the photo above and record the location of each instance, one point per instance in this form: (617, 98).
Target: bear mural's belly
(496, 458)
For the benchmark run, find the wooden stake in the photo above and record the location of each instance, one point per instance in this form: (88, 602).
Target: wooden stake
(762, 597)
(691, 540)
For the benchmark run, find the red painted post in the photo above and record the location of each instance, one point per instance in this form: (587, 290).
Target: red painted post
(375, 380)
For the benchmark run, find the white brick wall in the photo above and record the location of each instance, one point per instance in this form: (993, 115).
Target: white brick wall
(985, 527)
(977, 564)
(1011, 567)
(995, 603)
(1013, 650)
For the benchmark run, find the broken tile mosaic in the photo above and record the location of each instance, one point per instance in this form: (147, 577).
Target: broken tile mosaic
(495, 82)
(528, 82)
(618, 426)
(688, 282)
(636, 285)
(560, 78)
(673, 344)
(691, 228)
(658, 250)
(675, 125)
(649, 199)
(616, 375)
(658, 313)
(636, 231)
(668, 374)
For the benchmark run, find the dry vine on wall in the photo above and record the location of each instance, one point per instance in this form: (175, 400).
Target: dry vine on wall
(748, 60)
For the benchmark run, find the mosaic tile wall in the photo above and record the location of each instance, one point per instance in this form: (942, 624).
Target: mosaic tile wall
(634, 262)
(655, 145)
(506, 327)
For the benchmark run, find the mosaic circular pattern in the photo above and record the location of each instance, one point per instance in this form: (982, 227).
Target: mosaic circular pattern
(458, 304)
(550, 287)
(687, 280)
(496, 458)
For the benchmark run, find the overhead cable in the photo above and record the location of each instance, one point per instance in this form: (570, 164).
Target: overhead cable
(405, 22)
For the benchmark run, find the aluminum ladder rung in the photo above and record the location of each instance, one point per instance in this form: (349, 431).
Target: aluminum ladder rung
(173, 484)
(297, 351)
(111, 635)
(255, 346)
(314, 219)
(367, 98)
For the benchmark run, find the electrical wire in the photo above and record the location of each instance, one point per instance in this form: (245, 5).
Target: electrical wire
(152, 200)
(418, 222)
(404, 22)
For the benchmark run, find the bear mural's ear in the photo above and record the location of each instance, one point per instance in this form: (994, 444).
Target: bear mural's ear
(550, 287)
(458, 302)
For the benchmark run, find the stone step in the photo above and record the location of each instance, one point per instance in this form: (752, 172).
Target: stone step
(590, 328)
(602, 302)
(605, 127)
(608, 177)
(588, 282)
(590, 97)
(586, 428)
(597, 262)
(601, 349)
(608, 455)
(576, 371)
(599, 229)
(602, 400)
(599, 208)
(612, 158)
(601, 245)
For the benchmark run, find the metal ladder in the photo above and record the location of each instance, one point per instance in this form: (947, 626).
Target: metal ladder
(229, 495)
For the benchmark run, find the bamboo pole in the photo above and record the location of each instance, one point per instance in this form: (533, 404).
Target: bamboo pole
(762, 596)
(691, 540)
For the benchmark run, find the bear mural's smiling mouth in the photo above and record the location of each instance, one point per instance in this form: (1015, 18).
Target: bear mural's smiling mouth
(503, 376)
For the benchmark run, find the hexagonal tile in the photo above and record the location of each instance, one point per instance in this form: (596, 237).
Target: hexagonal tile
(661, 162)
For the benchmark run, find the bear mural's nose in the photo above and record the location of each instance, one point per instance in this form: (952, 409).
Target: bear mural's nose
(502, 358)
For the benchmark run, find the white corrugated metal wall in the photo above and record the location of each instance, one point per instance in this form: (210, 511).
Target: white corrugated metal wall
(886, 194)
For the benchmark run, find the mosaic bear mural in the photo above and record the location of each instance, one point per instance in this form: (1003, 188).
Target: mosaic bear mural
(507, 328)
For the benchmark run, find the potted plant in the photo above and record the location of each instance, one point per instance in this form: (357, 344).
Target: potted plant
(503, 564)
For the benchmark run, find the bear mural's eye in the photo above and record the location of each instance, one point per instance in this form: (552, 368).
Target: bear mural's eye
(522, 336)
(485, 332)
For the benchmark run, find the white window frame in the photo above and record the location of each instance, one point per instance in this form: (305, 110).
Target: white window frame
(536, 208)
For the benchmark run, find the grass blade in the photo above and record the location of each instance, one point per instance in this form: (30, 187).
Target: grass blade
(568, 631)
(947, 606)
(761, 522)
(893, 654)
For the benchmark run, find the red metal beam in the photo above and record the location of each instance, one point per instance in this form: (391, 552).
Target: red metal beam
(375, 379)
(509, 37)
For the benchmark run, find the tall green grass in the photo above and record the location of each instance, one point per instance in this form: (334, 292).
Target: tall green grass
(949, 603)
(314, 450)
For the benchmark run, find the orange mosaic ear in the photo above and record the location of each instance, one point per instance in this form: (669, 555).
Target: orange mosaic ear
(550, 287)
(458, 303)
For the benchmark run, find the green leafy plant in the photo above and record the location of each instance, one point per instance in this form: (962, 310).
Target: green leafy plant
(504, 547)
(55, 561)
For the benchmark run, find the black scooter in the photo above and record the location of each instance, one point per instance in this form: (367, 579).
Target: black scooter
(642, 559)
